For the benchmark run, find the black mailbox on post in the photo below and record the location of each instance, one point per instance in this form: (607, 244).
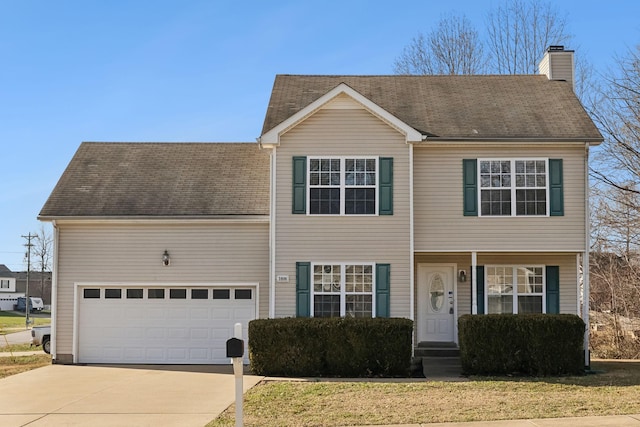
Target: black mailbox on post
(235, 347)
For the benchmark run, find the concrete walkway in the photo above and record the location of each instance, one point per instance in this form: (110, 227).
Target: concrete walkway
(73, 395)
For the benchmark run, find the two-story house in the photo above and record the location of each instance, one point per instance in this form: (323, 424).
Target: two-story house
(8, 293)
(425, 197)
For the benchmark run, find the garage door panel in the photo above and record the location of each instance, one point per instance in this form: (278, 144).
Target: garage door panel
(199, 333)
(160, 330)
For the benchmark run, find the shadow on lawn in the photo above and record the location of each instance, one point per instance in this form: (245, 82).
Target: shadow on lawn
(603, 373)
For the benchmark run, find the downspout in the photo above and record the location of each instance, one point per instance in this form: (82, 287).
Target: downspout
(272, 236)
(411, 239)
(585, 259)
(54, 289)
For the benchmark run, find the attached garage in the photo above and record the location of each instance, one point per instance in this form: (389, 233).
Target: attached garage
(160, 324)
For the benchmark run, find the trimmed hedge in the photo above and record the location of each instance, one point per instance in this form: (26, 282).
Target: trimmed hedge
(340, 347)
(522, 344)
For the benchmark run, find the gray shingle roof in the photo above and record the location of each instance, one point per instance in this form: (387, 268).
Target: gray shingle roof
(451, 107)
(5, 272)
(162, 180)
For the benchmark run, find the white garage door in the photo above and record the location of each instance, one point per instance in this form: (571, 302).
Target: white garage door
(161, 325)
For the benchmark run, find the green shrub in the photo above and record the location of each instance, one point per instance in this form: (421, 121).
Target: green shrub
(341, 347)
(521, 344)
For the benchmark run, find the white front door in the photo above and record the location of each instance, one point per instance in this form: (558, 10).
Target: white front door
(436, 303)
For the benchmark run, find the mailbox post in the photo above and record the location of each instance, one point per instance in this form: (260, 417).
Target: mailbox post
(235, 350)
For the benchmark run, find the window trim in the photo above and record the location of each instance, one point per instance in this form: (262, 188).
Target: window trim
(343, 291)
(342, 185)
(513, 188)
(515, 293)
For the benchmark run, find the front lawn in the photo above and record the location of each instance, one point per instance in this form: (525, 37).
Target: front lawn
(613, 390)
(14, 322)
(16, 365)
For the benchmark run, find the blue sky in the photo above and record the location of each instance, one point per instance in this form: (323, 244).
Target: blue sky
(195, 70)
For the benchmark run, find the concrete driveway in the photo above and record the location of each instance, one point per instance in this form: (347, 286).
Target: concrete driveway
(124, 395)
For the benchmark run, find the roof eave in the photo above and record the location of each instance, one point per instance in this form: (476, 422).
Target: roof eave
(431, 139)
(271, 138)
(152, 218)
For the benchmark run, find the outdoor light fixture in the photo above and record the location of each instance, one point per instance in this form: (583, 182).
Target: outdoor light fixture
(165, 258)
(462, 276)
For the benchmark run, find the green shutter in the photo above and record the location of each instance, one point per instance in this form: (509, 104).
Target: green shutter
(385, 188)
(480, 288)
(553, 289)
(383, 284)
(470, 186)
(303, 289)
(299, 195)
(556, 196)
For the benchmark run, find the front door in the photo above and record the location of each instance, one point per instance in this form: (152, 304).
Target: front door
(436, 303)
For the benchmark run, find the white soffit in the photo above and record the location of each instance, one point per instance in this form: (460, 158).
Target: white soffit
(272, 137)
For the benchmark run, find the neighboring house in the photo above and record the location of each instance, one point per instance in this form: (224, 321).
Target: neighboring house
(8, 294)
(39, 284)
(425, 197)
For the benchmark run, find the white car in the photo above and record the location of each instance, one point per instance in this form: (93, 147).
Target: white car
(41, 335)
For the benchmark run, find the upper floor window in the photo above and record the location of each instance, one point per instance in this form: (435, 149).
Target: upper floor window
(343, 186)
(513, 187)
(336, 185)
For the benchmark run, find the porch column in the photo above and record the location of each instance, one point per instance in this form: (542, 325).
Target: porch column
(474, 283)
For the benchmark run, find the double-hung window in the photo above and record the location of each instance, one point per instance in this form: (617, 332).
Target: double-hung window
(341, 290)
(343, 185)
(4, 284)
(515, 289)
(514, 187)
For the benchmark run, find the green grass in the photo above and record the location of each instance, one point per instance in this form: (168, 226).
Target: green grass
(12, 322)
(614, 390)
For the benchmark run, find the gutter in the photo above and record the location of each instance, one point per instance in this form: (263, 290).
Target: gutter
(465, 139)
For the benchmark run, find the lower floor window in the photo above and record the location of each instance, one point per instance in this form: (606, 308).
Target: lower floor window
(343, 290)
(515, 289)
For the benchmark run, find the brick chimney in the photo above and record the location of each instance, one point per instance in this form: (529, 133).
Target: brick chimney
(557, 64)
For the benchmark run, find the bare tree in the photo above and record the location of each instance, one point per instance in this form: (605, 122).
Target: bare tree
(453, 47)
(43, 255)
(519, 31)
(618, 117)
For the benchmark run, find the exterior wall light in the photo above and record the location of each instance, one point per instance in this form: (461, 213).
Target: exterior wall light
(165, 258)
(462, 276)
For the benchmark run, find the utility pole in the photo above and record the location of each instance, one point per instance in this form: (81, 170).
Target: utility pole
(26, 292)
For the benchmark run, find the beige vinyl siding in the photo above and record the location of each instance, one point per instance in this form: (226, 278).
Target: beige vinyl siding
(557, 66)
(566, 262)
(200, 253)
(319, 239)
(441, 226)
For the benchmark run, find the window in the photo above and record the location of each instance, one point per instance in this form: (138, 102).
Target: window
(343, 290)
(113, 293)
(155, 293)
(221, 294)
(91, 293)
(134, 293)
(177, 293)
(242, 294)
(4, 284)
(515, 289)
(513, 187)
(199, 293)
(343, 186)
